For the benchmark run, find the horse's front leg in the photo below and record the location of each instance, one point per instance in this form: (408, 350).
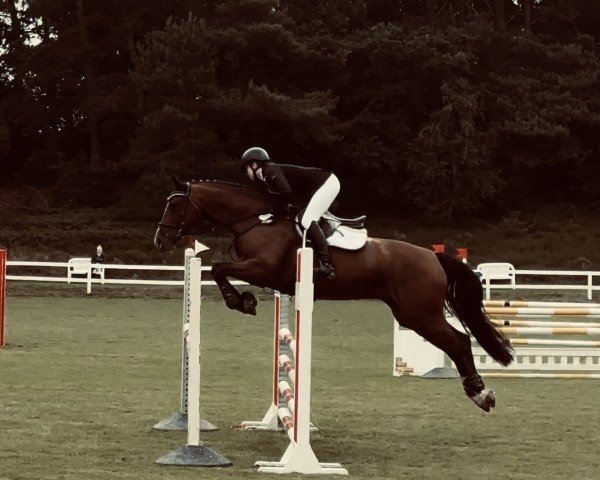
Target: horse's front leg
(249, 271)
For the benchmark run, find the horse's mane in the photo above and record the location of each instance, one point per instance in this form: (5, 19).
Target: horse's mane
(249, 190)
(223, 182)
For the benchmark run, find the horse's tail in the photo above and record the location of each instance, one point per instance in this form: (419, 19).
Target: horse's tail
(464, 299)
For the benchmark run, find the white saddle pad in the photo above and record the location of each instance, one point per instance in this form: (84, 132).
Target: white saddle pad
(344, 237)
(348, 238)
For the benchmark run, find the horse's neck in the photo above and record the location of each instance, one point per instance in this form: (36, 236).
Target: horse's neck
(230, 203)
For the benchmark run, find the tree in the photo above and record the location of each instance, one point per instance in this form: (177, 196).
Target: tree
(212, 88)
(449, 162)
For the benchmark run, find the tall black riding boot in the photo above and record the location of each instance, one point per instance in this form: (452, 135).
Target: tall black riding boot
(321, 249)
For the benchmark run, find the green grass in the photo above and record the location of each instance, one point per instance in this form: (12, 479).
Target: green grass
(84, 379)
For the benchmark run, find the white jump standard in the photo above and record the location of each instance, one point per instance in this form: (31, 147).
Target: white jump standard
(299, 457)
(194, 453)
(178, 421)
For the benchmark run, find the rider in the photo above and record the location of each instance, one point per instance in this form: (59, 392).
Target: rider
(311, 187)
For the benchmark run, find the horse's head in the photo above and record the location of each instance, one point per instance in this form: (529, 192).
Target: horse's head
(181, 213)
(218, 203)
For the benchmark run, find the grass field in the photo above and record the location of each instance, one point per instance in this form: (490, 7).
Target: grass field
(84, 379)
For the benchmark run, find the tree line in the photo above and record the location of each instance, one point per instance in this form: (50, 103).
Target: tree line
(438, 107)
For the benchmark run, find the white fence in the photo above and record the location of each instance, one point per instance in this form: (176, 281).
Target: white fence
(86, 274)
(512, 280)
(492, 279)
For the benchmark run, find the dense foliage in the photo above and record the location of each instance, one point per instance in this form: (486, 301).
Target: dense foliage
(444, 108)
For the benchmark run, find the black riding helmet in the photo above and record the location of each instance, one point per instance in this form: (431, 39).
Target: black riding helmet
(254, 154)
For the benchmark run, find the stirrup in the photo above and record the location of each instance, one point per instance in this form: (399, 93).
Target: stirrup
(327, 269)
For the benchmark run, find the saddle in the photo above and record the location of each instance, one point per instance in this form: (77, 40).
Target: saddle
(344, 233)
(330, 222)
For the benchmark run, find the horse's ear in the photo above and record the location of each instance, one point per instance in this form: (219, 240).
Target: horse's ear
(179, 185)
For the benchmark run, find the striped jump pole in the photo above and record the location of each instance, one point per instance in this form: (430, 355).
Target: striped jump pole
(533, 323)
(567, 376)
(573, 312)
(179, 421)
(550, 331)
(3, 257)
(271, 420)
(537, 316)
(299, 457)
(194, 453)
(525, 303)
(552, 342)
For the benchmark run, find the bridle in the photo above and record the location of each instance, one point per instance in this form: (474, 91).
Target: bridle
(179, 229)
(177, 232)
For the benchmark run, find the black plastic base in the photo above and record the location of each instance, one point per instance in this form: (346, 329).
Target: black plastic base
(441, 372)
(194, 456)
(178, 422)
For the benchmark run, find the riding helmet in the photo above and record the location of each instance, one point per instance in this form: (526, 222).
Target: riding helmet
(254, 154)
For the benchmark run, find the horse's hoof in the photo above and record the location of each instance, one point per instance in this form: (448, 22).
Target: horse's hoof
(490, 400)
(249, 303)
(486, 400)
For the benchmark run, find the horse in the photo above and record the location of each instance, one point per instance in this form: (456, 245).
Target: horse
(416, 283)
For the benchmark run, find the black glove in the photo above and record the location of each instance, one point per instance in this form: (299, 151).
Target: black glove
(282, 208)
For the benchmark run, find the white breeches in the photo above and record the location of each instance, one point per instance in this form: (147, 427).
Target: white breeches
(321, 201)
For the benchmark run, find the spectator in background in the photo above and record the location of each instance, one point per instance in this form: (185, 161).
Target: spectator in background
(98, 258)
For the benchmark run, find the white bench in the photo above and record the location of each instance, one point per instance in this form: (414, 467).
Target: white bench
(495, 271)
(84, 266)
(78, 266)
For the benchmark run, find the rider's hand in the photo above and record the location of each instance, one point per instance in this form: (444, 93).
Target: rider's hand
(282, 209)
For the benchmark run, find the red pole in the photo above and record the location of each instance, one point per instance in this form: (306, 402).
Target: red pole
(3, 255)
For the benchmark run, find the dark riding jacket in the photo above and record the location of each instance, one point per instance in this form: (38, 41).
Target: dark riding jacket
(98, 258)
(293, 184)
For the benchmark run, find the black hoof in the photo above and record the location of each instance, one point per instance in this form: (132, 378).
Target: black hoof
(486, 403)
(249, 303)
(491, 399)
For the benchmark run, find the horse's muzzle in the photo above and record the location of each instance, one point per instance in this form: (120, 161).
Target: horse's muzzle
(162, 242)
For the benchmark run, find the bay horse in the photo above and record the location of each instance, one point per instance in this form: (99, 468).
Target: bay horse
(414, 282)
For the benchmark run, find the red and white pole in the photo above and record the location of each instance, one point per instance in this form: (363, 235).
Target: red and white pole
(3, 257)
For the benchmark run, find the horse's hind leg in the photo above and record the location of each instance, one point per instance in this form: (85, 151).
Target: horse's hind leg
(457, 345)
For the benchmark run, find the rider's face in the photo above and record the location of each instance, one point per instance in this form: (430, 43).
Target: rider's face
(250, 170)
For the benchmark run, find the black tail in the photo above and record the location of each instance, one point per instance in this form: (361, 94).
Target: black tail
(464, 299)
